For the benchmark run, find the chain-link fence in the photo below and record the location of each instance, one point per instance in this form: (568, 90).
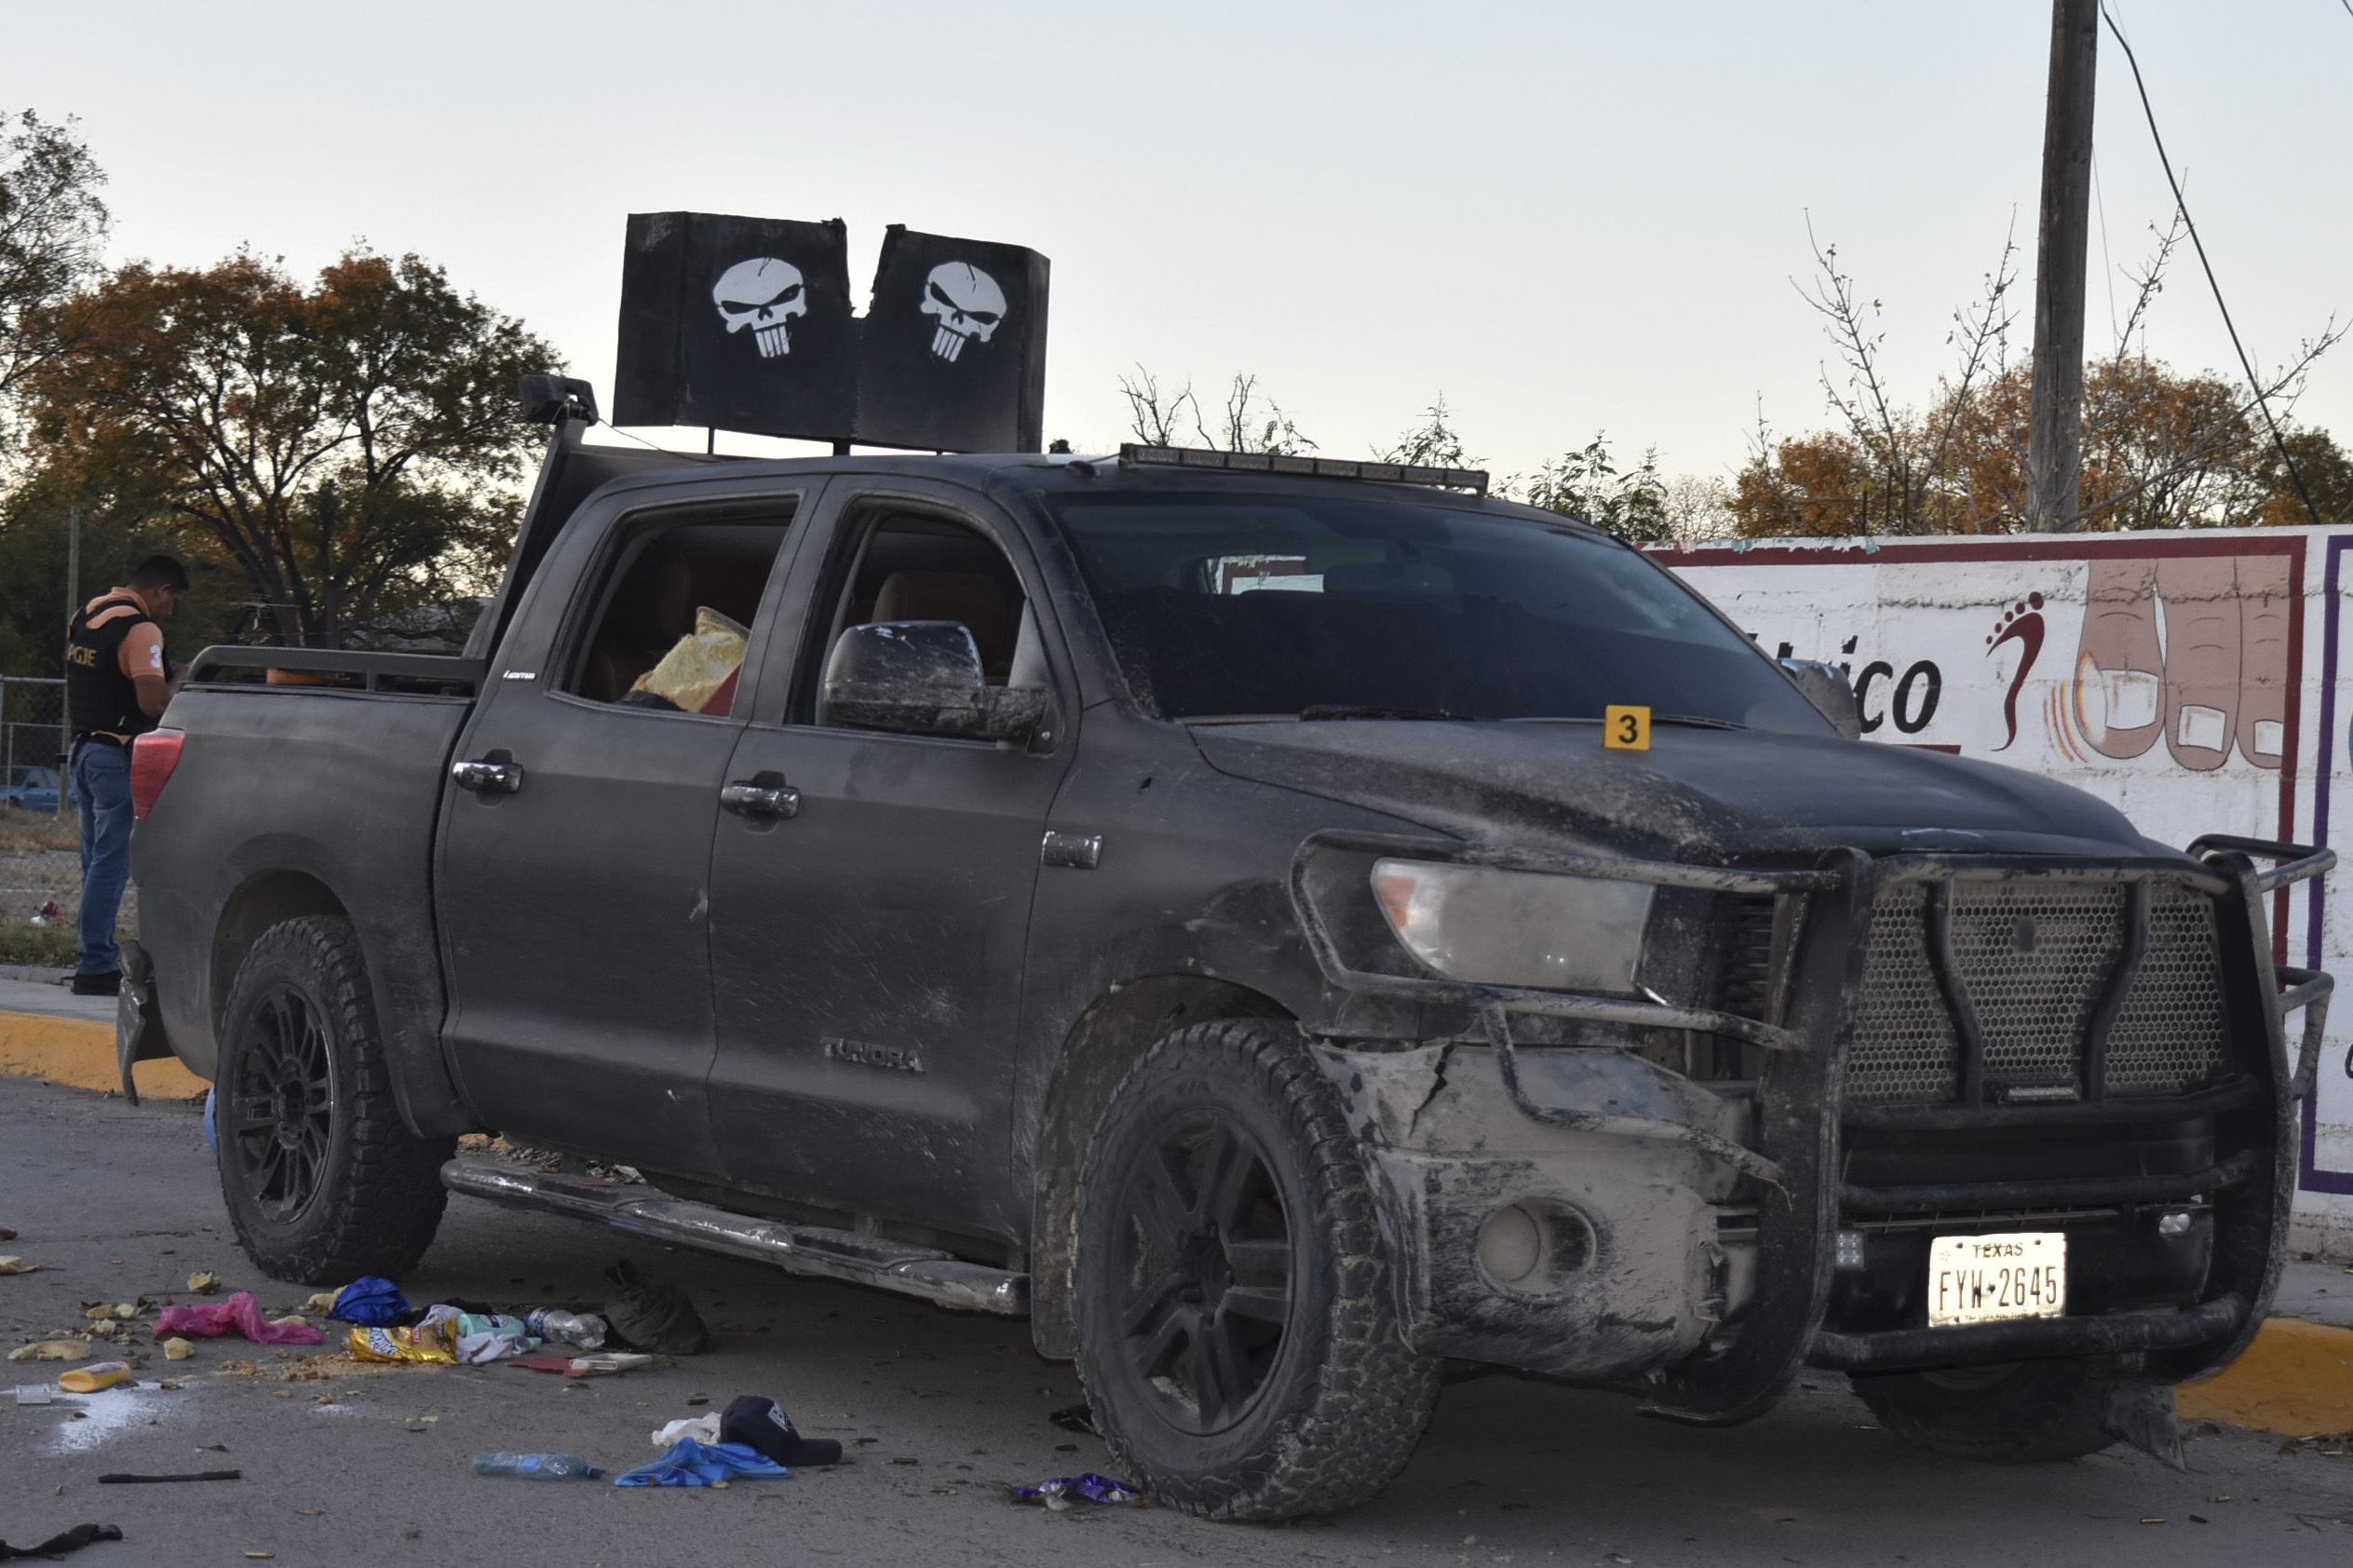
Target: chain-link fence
(40, 844)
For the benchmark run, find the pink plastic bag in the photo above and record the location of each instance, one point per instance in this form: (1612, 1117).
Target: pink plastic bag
(236, 1316)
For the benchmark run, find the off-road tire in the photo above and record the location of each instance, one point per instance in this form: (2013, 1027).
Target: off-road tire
(2029, 1412)
(374, 1193)
(1340, 1400)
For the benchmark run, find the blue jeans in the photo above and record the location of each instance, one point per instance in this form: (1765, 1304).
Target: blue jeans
(101, 783)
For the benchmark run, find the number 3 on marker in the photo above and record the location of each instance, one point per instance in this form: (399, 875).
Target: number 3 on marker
(1626, 729)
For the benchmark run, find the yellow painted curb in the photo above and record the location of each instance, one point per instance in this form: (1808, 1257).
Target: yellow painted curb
(2297, 1378)
(80, 1054)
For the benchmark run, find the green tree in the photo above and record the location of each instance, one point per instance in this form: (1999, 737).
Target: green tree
(349, 450)
(51, 226)
(1588, 485)
(1433, 443)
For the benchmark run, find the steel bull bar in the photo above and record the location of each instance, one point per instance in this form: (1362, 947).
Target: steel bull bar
(1821, 929)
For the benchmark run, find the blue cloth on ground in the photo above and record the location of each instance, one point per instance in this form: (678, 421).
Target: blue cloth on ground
(689, 1463)
(370, 1302)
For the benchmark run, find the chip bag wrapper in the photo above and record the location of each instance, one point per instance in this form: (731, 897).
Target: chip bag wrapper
(426, 1345)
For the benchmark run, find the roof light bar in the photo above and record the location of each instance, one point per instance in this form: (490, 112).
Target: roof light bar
(1134, 456)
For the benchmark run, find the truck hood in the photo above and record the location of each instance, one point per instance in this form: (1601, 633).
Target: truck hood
(1697, 793)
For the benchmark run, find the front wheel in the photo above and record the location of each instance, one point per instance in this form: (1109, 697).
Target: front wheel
(324, 1182)
(2018, 1413)
(1235, 1326)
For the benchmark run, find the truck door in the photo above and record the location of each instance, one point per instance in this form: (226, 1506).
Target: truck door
(866, 948)
(572, 882)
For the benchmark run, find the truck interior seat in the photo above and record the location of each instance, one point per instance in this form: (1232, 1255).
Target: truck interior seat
(976, 601)
(655, 606)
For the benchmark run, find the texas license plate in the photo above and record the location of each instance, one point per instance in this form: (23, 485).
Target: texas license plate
(1990, 1279)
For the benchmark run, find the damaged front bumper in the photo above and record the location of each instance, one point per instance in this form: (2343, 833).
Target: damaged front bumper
(1564, 1203)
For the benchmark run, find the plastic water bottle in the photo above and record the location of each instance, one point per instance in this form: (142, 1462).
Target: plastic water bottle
(536, 1466)
(583, 1329)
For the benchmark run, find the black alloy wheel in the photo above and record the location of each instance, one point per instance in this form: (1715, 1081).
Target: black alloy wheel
(1237, 1324)
(282, 1105)
(323, 1181)
(1206, 1258)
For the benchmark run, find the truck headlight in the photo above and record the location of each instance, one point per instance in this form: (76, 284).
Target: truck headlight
(1521, 928)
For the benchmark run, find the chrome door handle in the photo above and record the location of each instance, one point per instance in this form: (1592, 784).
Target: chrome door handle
(747, 799)
(487, 778)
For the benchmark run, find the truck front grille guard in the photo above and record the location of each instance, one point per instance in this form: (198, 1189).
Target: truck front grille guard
(1746, 1379)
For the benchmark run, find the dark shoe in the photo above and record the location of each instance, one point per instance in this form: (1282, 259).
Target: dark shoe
(108, 984)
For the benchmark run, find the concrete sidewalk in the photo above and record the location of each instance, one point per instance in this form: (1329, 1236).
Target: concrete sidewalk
(43, 991)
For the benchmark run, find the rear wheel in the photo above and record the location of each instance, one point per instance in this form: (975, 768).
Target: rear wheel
(323, 1181)
(1235, 1333)
(2018, 1412)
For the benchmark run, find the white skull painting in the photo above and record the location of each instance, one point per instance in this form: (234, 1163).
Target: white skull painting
(967, 302)
(763, 294)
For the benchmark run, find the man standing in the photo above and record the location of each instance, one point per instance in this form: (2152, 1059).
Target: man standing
(116, 684)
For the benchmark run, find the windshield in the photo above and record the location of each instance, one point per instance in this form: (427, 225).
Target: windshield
(1232, 606)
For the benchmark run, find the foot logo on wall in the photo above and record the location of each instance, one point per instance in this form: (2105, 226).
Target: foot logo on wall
(2022, 624)
(2193, 649)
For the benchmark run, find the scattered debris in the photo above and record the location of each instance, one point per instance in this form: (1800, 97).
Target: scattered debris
(654, 1315)
(58, 1545)
(119, 1478)
(483, 1337)
(177, 1350)
(1064, 1492)
(35, 1394)
(1075, 1418)
(689, 1463)
(236, 1314)
(371, 1302)
(536, 1466)
(421, 1344)
(98, 1375)
(18, 1265)
(581, 1330)
(702, 1428)
(203, 1283)
(759, 1423)
(52, 1350)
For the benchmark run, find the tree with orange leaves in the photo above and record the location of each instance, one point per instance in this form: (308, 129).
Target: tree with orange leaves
(348, 448)
(2161, 449)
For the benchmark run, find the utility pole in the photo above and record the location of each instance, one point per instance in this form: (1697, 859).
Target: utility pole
(2054, 443)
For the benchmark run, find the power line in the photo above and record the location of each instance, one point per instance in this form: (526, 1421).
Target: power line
(2253, 383)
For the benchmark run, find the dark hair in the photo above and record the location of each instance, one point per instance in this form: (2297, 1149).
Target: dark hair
(160, 571)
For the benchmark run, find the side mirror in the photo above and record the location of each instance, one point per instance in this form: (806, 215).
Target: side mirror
(923, 678)
(1826, 686)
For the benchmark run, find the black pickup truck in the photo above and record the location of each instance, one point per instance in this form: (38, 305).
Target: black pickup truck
(1294, 929)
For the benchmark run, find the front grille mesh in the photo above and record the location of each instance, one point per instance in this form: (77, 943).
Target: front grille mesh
(2033, 956)
(1905, 1050)
(2172, 1035)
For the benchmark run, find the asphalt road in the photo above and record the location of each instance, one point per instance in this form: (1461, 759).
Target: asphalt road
(940, 1410)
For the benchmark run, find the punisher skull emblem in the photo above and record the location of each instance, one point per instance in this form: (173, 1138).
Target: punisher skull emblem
(763, 294)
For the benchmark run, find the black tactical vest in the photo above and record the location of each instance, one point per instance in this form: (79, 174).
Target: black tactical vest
(98, 698)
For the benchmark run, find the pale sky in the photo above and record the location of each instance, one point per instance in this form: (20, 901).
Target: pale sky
(1564, 217)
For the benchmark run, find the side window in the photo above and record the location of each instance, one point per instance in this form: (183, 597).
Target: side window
(674, 616)
(916, 566)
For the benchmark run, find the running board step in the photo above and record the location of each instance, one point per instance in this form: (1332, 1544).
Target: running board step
(816, 1250)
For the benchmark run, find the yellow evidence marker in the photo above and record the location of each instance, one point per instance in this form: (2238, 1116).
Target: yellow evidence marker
(1626, 729)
